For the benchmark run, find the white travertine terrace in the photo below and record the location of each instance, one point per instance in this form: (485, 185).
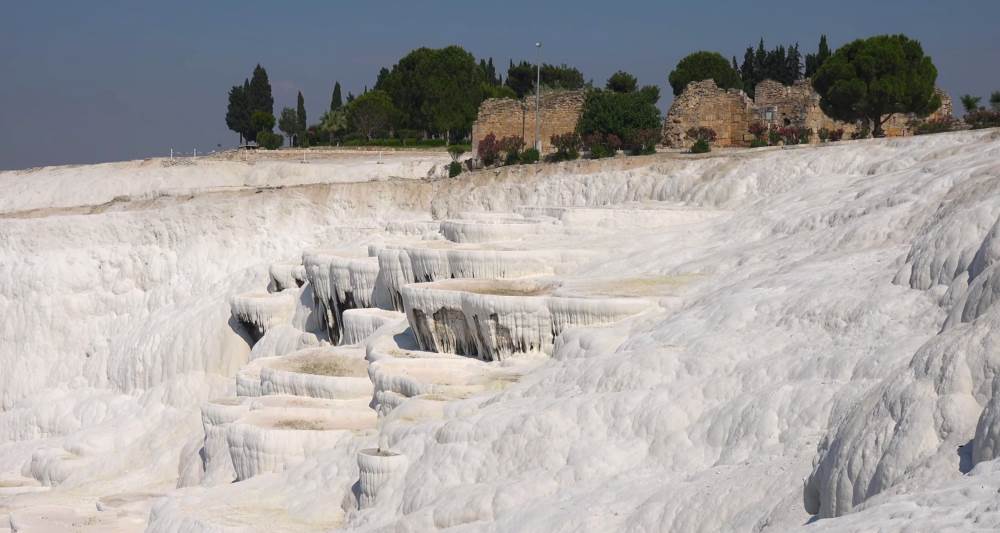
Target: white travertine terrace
(217, 465)
(639, 216)
(355, 285)
(397, 378)
(283, 339)
(263, 310)
(329, 372)
(494, 229)
(378, 470)
(271, 440)
(359, 324)
(286, 276)
(435, 261)
(495, 319)
(413, 227)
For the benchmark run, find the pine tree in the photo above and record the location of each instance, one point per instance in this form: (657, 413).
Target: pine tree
(260, 92)
(335, 101)
(747, 72)
(814, 61)
(491, 72)
(300, 112)
(793, 65)
(237, 113)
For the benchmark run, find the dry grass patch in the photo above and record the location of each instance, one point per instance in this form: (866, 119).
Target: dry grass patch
(334, 366)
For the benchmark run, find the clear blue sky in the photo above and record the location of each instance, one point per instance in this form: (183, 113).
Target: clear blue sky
(106, 80)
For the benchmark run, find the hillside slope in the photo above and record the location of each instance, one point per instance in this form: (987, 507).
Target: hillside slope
(750, 341)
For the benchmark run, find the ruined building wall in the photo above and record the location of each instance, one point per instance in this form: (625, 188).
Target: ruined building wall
(730, 112)
(504, 117)
(703, 103)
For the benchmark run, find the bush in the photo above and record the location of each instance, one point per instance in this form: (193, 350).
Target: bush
(758, 129)
(701, 146)
(511, 147)
(701, 133)
(454, 169)
(618, 118)
(862, 133)
(837, 134)
(644, 141)
(937, 125)
(599, 151)
(269, 140)
(567, 147)
(758, 143)
(489, 150)
(983, 118)
(773, 137)
(823, 134)
(529, 156)
(456, 151)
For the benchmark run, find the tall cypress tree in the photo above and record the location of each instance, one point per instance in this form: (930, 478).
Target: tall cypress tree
(260, 92)
(238, 111)
(300, 112)
(335, 101)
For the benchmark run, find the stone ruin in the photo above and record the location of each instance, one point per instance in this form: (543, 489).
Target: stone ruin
(506, 117)
(730, 112)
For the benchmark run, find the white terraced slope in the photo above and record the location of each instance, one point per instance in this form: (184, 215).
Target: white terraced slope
(761, 340)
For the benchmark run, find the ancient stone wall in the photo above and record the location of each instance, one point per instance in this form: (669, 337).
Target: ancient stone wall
(730, 112)
(505, 117)
(704, 104)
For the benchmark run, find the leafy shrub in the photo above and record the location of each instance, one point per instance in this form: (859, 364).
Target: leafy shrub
(805, 135)
(773, 137)
(758, 129)
(823, 134)
(837, 134)
(511, 147)
(701, 133)
(621, 115)
(489, 150)
(936, 125)
(454, 169)
(644, 141)
(862, 133)
(983, 118)
(701, 146)
(599, 151)
(269, 140)
(567, 147)
(758, 143)
(529, 156)
(456, 151)
(789, 134)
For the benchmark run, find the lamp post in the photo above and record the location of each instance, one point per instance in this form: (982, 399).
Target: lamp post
(538, 93)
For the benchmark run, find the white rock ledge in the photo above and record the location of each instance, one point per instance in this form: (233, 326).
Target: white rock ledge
(496, 319)
(378, 469)
(495, 229)
(262, 310)
(270, 440)
(286, 276)
(328, 372)
(359, 324)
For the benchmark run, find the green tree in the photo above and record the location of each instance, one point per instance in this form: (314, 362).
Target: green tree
(995, 100)
(335, 101)
(261, 121)
(259, 93)
(371, 113)
(435, 90)
(497, 91)
(623, 82)
(702, 66)
(970, 103)
(238, 112)
(815, 61)
(628, 116)
(300, 113)
(288, 123)
(522, 77)
(872, 79)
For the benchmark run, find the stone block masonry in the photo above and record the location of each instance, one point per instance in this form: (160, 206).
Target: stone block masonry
(730, 112)
(504, 117)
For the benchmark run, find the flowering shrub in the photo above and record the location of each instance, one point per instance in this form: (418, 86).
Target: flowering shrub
(936, 125)
(511, 147)
(758, 129)
(644, 141)
(837, 134)
(567, 146)
(701, 133)
(489, 150)
(983, 118)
